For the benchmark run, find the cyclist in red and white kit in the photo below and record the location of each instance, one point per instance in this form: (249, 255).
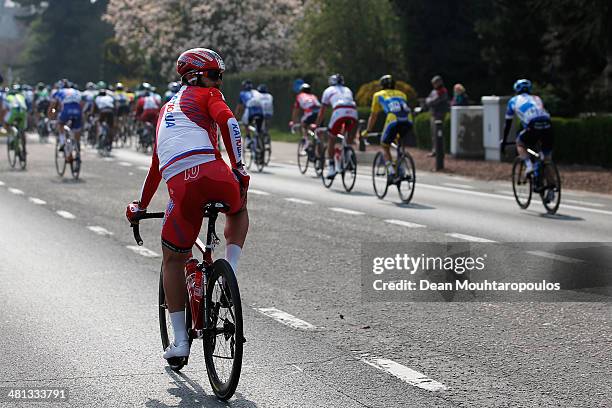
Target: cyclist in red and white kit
(309, 104)
(147, 106)
(186, 155)
(343, 118)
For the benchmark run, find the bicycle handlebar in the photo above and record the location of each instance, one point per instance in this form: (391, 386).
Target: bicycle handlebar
(136, 227)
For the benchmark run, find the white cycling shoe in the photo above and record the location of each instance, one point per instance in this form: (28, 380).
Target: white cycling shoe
(172, 351)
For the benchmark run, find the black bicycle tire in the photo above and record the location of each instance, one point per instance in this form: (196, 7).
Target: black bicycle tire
(379, 156)
(260, 162)
(553, 210)
(224, 391)
(23, 155)
(326, 182)
(352, 153)
(406, 156)
(75, 165)
(163, 323)
(59, 156)
(12, 161)
(517, 164)
(301, 143)
(319, 159)
(249, 155)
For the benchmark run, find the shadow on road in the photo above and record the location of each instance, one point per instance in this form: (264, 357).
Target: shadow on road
(558, 217)
(414, 206)
(193, 395)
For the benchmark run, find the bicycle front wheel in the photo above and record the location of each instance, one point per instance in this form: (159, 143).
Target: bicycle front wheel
(302, 156)
(379, 176)
(551, 194)
(223, 345)
(521, 184)
(60, 160)
(349, 168)
(407, 178)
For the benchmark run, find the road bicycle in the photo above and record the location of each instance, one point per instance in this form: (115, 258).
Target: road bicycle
(69, 154)
(255, 152)
(16, 147)
(404, 174)
(213, 310)
(105, 142)
(267, 143)
(310, 150)
(345, 161)
(145, 137)
(544, 180)
(43, 127)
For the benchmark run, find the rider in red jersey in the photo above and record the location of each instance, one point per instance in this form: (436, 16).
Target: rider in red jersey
(186, 155)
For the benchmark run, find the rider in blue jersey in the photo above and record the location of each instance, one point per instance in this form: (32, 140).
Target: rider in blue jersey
(535, 121)
(69, 102)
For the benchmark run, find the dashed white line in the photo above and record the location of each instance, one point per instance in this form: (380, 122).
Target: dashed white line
(65, 214)
(144, 168)
(143, 251)
(405, 224)
(408, 375)
(258, 192)
(125, 164)
(458, 185)
(108, 159)
(15, 191)
(468, 237)
(1, 183)
(298, 200)
(345, 211)
(99, 230)
(285, 318)
(37, 201)
(556, 257)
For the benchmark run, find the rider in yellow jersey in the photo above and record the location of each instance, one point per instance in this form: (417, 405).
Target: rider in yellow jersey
(394, 103)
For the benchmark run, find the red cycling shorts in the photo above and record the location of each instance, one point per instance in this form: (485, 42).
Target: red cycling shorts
(189, 191)
(150, 115)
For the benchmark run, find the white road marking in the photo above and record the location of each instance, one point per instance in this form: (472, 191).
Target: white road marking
(468, 237)
(588, 203)
(405, 224)
(143, 251)
(125, 164)
(458, 185)
(99, 230)
(285, 318)
(130, 173)
(15, 191)
(144, 168)
(556, 257)
(37, 201)
(508, 193)
(408, 375)
(258, 192)
(65, 214)
(298, 200)
(503, 197)
(345, 211)
(1, 183)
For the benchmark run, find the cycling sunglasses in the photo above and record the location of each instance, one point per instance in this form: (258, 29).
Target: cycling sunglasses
(213, 75)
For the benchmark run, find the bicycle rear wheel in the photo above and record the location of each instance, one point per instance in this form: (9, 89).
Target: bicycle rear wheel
(302, 156)
(60, 160)
(223, 345)
(407, 178)
(521, 184)
(75, 163)
(165, 325)
(267, 149)
(249, 153)
(11, 144)
(379, 176)
(260, 154)
(349, 168)
(551, 194)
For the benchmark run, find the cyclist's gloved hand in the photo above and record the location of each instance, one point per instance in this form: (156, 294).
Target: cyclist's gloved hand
(313, 126)
(133, 212)
(291, 123)
(243, 178)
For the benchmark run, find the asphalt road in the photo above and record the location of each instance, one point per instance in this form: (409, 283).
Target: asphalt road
(79, 307)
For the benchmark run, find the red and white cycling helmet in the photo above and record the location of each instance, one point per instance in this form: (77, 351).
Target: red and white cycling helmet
(197, 61)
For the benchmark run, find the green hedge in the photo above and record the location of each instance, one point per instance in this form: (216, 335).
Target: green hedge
(422, 128)
(583, 140)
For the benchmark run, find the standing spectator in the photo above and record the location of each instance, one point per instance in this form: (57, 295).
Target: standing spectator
(460, 97)
(438, 104)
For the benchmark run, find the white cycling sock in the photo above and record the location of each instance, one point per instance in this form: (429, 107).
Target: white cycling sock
(179, 327)
(232, 255)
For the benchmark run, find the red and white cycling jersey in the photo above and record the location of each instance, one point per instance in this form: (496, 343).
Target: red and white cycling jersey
(338, 96)
(187, 135)
(308, 103)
